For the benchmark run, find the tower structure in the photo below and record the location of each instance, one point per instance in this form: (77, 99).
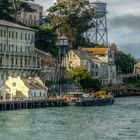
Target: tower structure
(63, 47)
(98, 34)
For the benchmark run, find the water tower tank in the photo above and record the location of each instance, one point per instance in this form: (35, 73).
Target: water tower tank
(100, 8)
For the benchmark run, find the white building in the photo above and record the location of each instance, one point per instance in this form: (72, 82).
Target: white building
(17, 51)
(96, 64)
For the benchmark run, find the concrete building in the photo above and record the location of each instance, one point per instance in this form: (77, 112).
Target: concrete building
(32, 18)
(97, 64)
(23, 89)
(17, 51)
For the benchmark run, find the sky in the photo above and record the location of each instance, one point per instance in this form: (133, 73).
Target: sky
(123, 23)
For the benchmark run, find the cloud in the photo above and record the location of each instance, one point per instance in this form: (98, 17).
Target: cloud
(132, 48)
(123, 23)
(130, 22)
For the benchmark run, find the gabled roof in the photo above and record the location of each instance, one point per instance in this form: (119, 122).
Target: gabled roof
(96, 51)
(14, 25)
(63, 38)
(31, 83)
(84, 55)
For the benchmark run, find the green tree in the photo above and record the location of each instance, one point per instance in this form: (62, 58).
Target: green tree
(18, 6)
(77, 74)
(91, 83)
(45, 39)
(6, 10)
(9, 10)
(72, 18)
(83, 78)
(124, 62)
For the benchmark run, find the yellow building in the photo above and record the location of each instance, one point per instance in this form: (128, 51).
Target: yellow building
(96, 61)
(23, 89)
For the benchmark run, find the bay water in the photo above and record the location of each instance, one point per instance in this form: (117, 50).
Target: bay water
(120, 121)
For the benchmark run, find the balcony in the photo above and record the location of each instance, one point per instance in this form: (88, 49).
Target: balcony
(2, 52)
(19, 67)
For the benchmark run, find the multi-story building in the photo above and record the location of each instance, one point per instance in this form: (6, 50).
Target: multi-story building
(17, 51)
(96, 64)
(32, 18)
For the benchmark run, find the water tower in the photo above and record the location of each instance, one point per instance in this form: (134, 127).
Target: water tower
(99, 34)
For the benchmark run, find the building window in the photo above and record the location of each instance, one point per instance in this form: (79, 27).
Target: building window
(21, 36)
(96, 73)
(12, 48)
(28, 36)
(9, 34)
(12, 62)
(21, 62)
(40, 94)
(25, 62)
(4, 33)
(24, 15)
(16, 62)
(32, 37)
(21, 49)
(25, 36)
(30, 16)
(1, 33)
(16, 48)
(0, 61)
(34, 94)
(14, 84)
(16, 35)
(96, 65)
(12, 35)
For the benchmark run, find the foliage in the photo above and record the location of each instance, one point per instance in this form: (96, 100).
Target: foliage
(77, 74)
(72, 18)
(135, 80)
(45, 39)
(9, 10)
(124, 62)
(91, 83)
(18, 6)
(5, 10)
(82, 77)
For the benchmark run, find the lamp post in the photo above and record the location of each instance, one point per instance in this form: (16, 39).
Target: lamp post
(63, 44)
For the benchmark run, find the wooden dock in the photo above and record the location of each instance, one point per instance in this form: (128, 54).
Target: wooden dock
(30, 104)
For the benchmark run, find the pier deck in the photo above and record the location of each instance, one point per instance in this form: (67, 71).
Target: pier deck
(30, 104)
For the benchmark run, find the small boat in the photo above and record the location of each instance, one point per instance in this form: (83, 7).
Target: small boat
(83, 99)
